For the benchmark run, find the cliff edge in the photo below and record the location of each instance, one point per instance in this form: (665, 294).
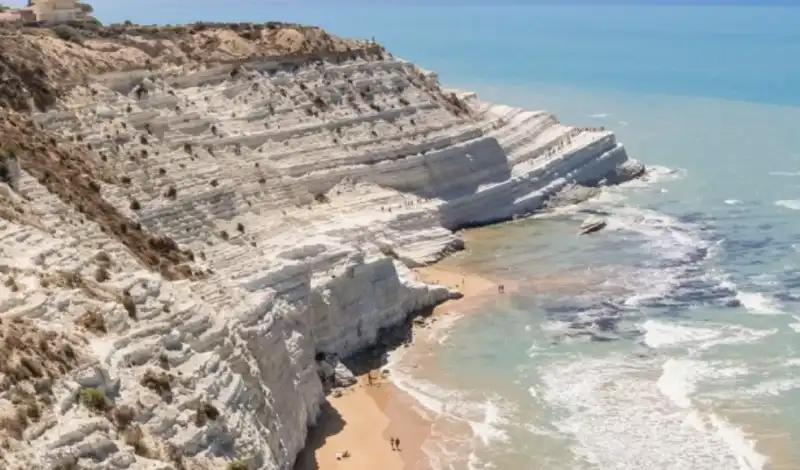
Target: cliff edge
(192, 217)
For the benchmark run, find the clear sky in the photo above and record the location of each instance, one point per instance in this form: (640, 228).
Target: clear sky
(330, 12)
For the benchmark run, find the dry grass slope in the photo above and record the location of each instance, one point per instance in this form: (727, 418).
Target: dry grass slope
(31, 360)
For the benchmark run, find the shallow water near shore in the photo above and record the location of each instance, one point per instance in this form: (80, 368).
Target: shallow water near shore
(667, 340)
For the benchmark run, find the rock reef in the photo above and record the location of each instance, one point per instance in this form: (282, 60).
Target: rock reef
(190, 217)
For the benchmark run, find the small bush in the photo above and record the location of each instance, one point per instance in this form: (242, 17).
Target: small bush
(93, 398)
(205, 412)
(158, 382)
(224, 235)
(125, 180)
(92, 320)
(389, 251)
(134, 437)
(123, 416)
(129, 304)
(171, 192)
(102, 258)
(240, 227)
(67, 33)
(162, 171)
(101, 274)
(135, 205)
(237, 465)
(214, 183)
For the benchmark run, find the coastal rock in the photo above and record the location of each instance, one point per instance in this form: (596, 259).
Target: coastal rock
(455, 294)
(342, 376)
(591, 225)
(200, 211)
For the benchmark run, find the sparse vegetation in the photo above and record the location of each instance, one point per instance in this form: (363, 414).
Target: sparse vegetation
(156, 381)
(11, 283)
(389, 251)
(224, 235)
(101, 274)
(102, 258)
(123, 416)
(214, 183)
(237, 465)
(67, 33)
(129, 304)
(94, 399)
(134, 437)
(135, 205)
(205, 412)
(240, 227)
(171, 192)
(93, 321)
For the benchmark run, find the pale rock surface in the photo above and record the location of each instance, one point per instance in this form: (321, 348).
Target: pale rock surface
(308, 192)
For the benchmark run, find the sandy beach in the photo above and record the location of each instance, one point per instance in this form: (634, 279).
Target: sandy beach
(363, 419)
(361, 422)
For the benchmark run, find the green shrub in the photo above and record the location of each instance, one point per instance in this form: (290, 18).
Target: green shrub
(238, 465)
(67, 33)
(93, 398)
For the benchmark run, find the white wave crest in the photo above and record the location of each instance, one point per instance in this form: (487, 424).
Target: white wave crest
(618, 415)
(759, 304)
(659, 334)
(793, 204)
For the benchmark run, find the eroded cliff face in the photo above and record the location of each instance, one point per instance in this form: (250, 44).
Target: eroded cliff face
(190, 233)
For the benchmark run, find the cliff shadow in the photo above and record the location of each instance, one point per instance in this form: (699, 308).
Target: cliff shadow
(329, 423)
(375, 357)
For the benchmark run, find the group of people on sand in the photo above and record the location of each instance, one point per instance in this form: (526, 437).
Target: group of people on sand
(395, 443)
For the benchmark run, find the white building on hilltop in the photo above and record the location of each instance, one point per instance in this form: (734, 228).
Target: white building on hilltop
(55, 11)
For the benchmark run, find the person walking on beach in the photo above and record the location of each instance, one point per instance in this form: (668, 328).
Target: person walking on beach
(369, 378)
(397, 444)
(391, 439)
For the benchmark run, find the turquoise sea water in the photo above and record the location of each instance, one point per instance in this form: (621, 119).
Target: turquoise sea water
(670, 339)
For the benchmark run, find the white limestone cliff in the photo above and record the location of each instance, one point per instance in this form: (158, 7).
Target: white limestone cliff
(306, 192)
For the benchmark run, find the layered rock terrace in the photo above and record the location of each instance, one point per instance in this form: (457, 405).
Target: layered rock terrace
(189, 219)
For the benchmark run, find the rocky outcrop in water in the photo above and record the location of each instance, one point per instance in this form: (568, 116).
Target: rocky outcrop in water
(191, 215)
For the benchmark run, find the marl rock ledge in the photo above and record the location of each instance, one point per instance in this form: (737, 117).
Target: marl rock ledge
(191, 215)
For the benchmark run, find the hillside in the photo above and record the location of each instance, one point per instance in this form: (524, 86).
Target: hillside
(194, 220)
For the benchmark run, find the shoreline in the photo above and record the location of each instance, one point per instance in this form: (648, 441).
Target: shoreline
(364, 417)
